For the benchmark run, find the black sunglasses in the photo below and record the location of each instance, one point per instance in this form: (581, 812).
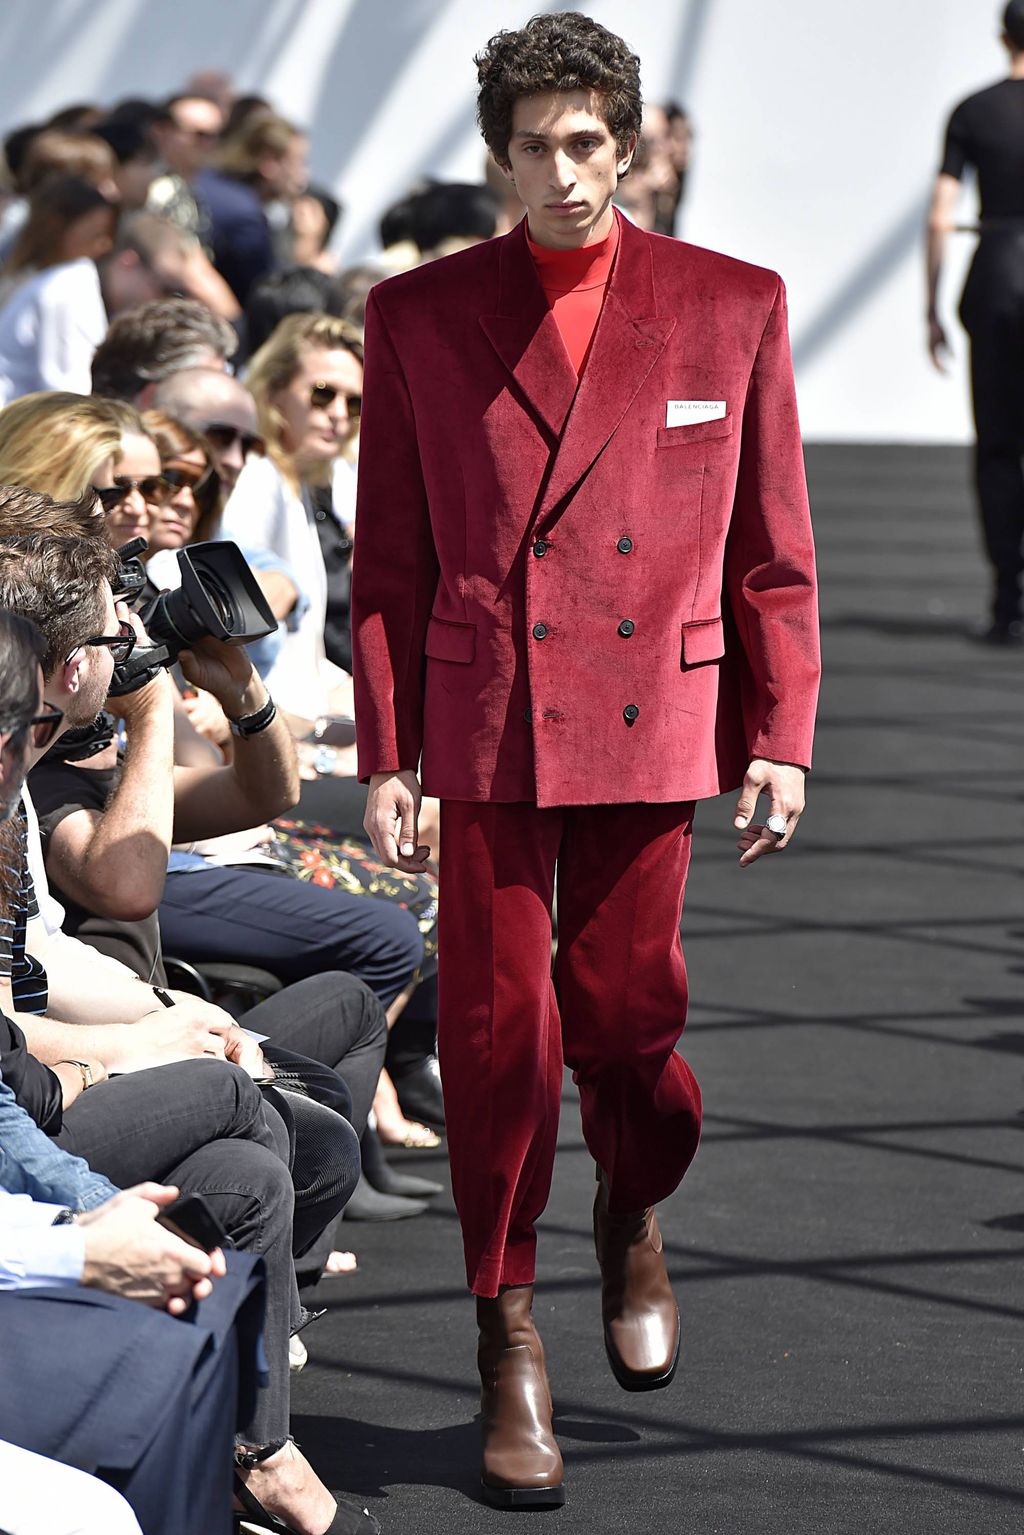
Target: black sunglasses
(43, 726)
(187, 479)
(120, 645)
(155, 488)
(222, 436)
(321, 395)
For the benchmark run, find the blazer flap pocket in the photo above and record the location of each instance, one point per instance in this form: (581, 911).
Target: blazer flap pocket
(703, 641)
(698, 431)
(450, 641)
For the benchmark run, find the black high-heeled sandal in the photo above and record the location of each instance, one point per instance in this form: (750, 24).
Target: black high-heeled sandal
(352, 1517)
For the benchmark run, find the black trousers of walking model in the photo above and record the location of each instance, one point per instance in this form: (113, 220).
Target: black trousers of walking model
(992, 311)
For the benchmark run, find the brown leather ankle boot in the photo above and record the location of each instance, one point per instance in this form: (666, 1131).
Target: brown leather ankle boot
(522, 1466)
(641, 1320)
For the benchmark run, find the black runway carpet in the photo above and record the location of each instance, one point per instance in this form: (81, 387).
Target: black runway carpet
(848, 1247)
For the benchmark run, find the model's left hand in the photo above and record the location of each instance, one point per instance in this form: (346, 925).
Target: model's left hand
(784, 784)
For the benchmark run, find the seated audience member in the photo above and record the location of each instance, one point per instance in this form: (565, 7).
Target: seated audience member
(314, 218)
(306, 928)
(145, 345)
(446, 216)
(295, 290)
(52, 325)
(126, 131)
(186, 132)
(307, 382)
(244, 1176)
(223, 412)
(190, 514)
(263, 164)
(350, 291)
(90, 1283)
(68, 220)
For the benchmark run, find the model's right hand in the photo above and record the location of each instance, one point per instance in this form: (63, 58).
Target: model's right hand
(127, 1253)
(391, 820)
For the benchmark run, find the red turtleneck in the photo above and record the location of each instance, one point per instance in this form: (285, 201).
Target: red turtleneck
(574, 283)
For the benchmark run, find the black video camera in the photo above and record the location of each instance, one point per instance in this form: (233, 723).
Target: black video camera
(218, 598)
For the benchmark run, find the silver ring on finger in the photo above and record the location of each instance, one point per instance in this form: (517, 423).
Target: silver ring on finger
(777, 825)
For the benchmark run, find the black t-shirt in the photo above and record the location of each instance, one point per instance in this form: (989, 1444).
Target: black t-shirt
(987, 131)
(336, 548)
(59, 789)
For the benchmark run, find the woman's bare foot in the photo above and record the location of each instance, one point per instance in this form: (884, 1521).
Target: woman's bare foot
(341, 1263)
(287, 1485)
(393, 1127)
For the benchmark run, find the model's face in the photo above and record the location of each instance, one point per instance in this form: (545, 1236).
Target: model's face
(565, 167)
(317, 427)
(172, 525)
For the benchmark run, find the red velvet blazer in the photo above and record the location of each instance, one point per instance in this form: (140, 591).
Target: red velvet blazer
(556, 596)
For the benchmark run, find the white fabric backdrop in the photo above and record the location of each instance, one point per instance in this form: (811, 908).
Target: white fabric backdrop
(818, 135)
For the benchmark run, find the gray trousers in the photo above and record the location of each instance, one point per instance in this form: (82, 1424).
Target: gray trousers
(204, 1126)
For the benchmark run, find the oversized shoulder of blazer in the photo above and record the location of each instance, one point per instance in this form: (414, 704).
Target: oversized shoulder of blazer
(559, 593)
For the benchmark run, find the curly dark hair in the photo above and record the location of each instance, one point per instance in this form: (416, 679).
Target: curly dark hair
(563, 52)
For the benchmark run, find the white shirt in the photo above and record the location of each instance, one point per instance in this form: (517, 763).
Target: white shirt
(49, 330)
(264, 511)
(33, 1251)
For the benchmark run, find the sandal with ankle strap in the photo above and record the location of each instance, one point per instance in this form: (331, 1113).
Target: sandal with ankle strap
(351, 1518)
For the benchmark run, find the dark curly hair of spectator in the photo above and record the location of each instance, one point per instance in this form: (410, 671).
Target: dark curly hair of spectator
(564, 52)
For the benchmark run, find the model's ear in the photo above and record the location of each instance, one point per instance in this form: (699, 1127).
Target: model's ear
(506, 170)
(626, 158)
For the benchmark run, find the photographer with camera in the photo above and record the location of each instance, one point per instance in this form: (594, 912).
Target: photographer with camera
(109, 1016)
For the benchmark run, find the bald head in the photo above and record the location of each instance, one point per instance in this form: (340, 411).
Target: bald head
(218, 406)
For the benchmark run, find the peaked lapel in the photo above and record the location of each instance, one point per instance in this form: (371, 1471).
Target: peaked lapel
(629, 339)
(524, 333)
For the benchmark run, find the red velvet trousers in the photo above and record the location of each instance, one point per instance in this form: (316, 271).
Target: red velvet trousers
(612, 1007)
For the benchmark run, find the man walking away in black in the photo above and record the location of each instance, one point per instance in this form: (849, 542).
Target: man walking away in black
(987, 132)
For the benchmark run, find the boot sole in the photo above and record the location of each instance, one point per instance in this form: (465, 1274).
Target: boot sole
(630, 1380)
(523, 1497)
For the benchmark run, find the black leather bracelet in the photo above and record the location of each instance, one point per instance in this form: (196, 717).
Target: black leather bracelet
(252, 724)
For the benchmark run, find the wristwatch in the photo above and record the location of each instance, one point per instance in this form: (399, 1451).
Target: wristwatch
(84, 1068)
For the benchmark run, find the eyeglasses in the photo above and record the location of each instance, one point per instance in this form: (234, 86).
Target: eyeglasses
(154, 488)
(187, 479)
(120, 644)
(43, 726)
(321, 395)
(222, 436)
